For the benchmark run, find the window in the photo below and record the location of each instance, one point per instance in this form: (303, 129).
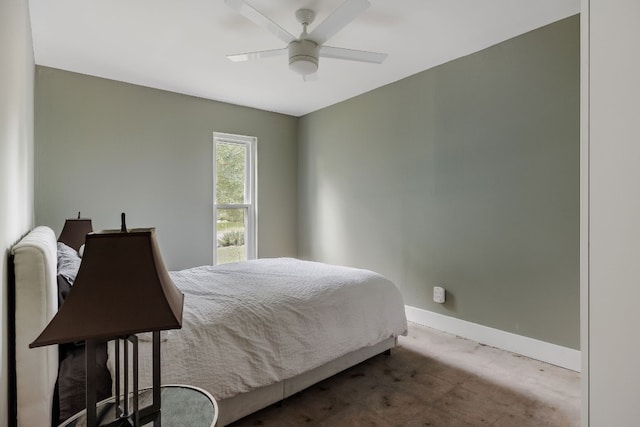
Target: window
(234, 197)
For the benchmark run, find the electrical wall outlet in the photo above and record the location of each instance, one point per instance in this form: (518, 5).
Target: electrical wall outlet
(438, 294)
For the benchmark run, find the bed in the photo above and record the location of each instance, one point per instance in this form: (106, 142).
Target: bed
(272, 327)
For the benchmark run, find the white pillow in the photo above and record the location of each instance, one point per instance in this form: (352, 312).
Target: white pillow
(68, 262)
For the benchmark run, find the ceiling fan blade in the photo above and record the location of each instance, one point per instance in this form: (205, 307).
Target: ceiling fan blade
(258, 18)
(338, 19)
(352, 55)
(257, 55)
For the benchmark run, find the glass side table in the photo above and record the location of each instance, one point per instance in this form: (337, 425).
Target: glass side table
(182, 405)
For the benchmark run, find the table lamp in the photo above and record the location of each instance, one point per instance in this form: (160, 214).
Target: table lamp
(122, 288)
(74, 231)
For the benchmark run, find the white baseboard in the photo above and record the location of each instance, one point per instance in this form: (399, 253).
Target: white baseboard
(536, 349)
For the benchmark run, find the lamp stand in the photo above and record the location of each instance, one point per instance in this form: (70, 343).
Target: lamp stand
(90, 366)
(149, 412)
(126, 415)
(120, 268)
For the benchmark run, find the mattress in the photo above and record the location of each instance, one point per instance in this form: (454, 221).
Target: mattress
(251, 324)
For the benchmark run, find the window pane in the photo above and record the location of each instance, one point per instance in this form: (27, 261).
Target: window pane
(230, 230)
(230, 173)
(234, 167)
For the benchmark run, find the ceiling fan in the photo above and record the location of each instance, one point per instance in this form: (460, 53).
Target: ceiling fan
(305, 50)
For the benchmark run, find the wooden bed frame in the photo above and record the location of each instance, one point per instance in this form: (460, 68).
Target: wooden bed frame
(36, 370)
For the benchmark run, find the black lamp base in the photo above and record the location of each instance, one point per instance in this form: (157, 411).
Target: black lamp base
(122, 413)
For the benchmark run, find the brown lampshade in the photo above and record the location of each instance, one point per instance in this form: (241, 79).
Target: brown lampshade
(122, 288)
(74, 232)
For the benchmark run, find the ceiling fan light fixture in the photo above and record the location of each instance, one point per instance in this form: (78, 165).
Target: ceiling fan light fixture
(303, 56)
(304, 66)
(305, 50)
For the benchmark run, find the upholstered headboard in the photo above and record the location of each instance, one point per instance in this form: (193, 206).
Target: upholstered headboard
(36, 302)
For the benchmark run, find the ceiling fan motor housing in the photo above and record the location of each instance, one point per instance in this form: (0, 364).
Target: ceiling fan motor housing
(303, 56)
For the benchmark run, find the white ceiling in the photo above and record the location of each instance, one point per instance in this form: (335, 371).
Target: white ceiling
(180, 45)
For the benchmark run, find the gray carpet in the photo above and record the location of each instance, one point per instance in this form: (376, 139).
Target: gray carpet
(435, 379)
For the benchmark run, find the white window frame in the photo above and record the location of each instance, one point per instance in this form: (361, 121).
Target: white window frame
(250, 202)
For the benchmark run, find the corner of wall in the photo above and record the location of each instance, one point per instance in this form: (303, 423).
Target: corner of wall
(17, 66)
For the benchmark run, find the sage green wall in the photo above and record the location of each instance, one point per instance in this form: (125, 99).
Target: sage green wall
(465, 175)
(16, 153)
(105, 147)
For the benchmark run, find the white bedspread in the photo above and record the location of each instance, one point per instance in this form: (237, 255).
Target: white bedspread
(251, 324)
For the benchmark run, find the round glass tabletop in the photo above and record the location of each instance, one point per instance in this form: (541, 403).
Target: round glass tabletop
(181, 405)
